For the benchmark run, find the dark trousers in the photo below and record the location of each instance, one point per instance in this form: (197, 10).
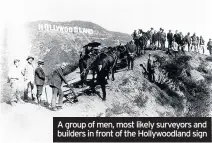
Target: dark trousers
(103, 91)
(151, 76)
(169, 45)
(39, 92)
(162, 42)
(189, 46)
(130, 60)
(28, 89)
(102, 81)
(57, 92)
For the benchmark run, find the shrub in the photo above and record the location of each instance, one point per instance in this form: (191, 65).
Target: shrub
(209, 58)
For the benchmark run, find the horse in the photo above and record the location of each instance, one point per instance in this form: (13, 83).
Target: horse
(143, 40)
(109, 60)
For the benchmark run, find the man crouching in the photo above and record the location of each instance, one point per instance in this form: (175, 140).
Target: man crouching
(56, 83)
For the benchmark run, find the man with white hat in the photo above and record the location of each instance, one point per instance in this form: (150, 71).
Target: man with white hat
(15, 77)
(39, 79)
(28, 73)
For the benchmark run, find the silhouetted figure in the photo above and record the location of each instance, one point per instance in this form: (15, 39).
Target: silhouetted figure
(209, 46)
(131, 49)
(188, 41)
(101, 74)
(150, 69)
(170, 40)
(201, 44)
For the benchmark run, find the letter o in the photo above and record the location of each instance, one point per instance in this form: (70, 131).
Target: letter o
(70, 29)
(66, 29)
(76, 29)
(90, 125)
(118, 134)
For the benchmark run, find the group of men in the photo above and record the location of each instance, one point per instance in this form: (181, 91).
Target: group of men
(27, 78)
(175, 40)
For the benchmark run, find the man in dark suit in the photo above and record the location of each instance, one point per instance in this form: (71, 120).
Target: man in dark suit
(56, 82)
(170, 39)
(131, 49)
(163, 39)
(188, 40)
(150, 69)
(39, 79)
(159, 36)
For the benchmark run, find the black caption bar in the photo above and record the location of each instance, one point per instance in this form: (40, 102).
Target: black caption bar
(131, 129)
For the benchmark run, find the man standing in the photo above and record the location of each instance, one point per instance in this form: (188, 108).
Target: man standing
(194, 42)
(202, 43)
(28, 73)
(176, 36)
(39, 80)
(131, 49)
(15, 80)
(154, 39)
(170, 39)
(188, 40)
(56, 82)
(135, 37)
(151, 32)
(150, 69)
(181, 41)
(159, 36)
(209, 46)
(101, 74)
(163, 39)
(198, 44)
(177, 39)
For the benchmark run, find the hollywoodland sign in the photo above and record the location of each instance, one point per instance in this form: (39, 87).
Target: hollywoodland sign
(50, 27)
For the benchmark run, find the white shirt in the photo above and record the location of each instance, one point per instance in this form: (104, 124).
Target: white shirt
(175, 46)
(29, 72)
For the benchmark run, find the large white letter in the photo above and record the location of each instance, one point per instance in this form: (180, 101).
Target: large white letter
(46, 26)
(66, 29)
(85, 30)
(90, 31)
(80, 30)
(60, 125)
(75, 29)
(70, 29)
(40, 26)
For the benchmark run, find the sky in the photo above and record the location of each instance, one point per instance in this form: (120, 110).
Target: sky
(114, 15)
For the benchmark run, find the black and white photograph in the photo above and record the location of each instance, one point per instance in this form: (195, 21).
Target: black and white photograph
(102, 58)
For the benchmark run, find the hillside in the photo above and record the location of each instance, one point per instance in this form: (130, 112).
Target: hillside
(58, 42)
(184, 90)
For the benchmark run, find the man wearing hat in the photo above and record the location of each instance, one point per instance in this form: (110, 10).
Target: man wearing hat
(170, 39)
(159, 36)
(202, 43)
(163, 39)
(209, 46)
(15, 79)
(28, 74)
(39, 79)
(131, 52)
(151, 32)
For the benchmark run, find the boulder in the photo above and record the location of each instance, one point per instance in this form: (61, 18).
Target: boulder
(196, 76)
